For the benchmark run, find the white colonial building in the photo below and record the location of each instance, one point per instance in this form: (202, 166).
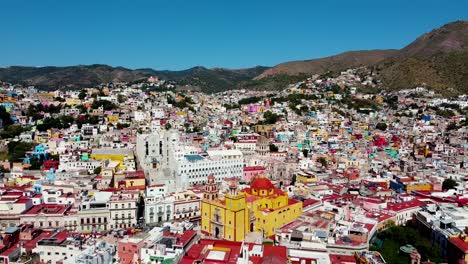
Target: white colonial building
(123, 209)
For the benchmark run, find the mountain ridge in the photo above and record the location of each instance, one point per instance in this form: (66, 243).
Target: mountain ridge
(82, 76)
(337, 62)
(438, 58)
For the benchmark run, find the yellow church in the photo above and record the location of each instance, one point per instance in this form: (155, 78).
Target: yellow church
(260, 208)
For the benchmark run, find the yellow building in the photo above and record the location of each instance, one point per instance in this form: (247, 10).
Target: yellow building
(264, 129)
(306, 177)
(72, 101)
(130, 180)
(23, 180)
(363, 126)
(418, 186)
(260, 208)
(228, 218)
(112, 119)
(113, 154)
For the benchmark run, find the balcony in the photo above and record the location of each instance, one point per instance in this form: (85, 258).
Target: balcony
(122, 218)
(216, 220)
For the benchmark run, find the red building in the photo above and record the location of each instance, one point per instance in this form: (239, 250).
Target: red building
(9, 250)
(49, 164)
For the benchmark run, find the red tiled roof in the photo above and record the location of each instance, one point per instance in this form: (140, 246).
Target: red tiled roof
(183, 239)
(47, 209)
(254, 168)
(7, 252)
(271, 254)
(29, 245)
(262, 184)
(397, 207)
(459, 243)
(342, 259)
(309, 202)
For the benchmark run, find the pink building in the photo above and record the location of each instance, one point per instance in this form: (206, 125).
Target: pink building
(128, 250)
(253, 108)
(253, 172)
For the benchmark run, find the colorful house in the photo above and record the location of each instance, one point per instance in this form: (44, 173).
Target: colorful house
(40, 153)
(112, 154)
(130, 180)
(306, 177)
(112, 119)
(253, 172)
(407, 185)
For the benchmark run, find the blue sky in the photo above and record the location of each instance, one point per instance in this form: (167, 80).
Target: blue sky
(179, 34)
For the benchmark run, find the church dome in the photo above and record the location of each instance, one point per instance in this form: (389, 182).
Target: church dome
(262, 183)
(262, 186)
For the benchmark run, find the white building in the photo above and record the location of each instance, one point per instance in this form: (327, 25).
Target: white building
(157, 113)
(94, 213)
(167, 160)
(159, 209)
(56, 248)
(101, 253)
(139, 116)
(187, 206)
(69, 162)
(123, 209)
(195, 168)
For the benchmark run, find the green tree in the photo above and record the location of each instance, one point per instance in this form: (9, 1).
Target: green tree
(17, 150)
(82, 94)
(97, 170)
(122, 126)
(452, 126)
(36, 163)
(270, 118)
(121, 98)
(231, 106)
(5, 117)
(82, 109)
(66, 121)
(335, 88)
(381, 126)
(13, 131)
(449, 184)
(323, 161)
(55, 157)
(107, 105)
(273, 148)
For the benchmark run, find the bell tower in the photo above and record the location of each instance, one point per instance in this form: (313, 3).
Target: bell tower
(234, 200)
(211, 189)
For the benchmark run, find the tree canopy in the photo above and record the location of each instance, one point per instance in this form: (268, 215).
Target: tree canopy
(449, 184)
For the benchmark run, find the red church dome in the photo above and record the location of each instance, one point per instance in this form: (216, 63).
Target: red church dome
(262, 183)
